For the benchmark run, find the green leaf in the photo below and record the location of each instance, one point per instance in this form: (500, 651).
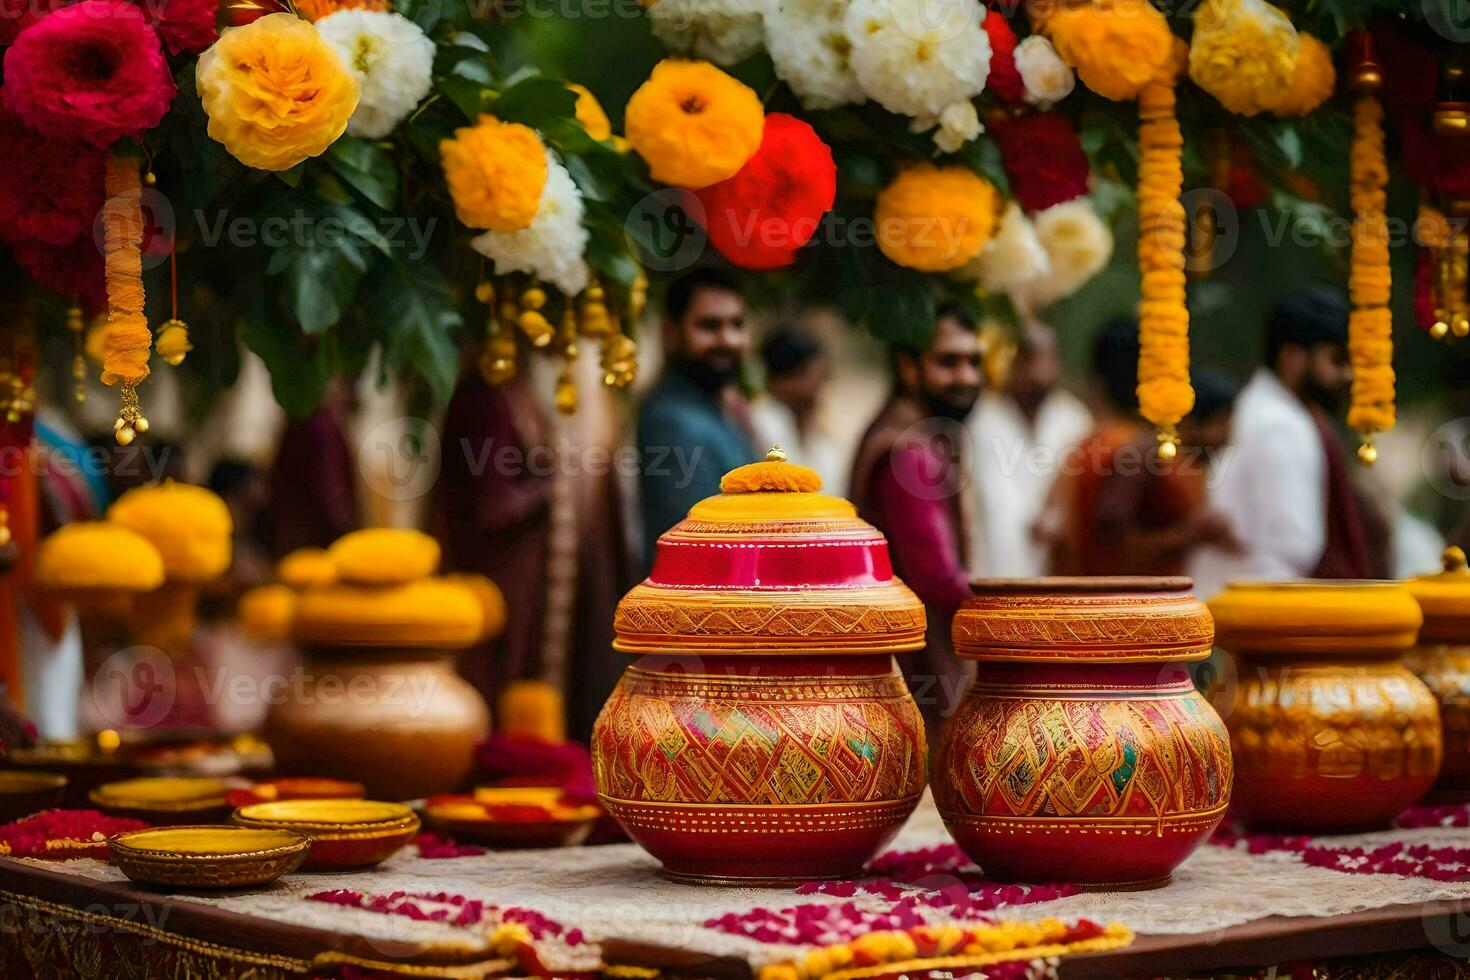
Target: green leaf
(367, 168)
(470, 97)
(536, 101)
(321, 265)
(412, 306)
(299, 368)
(903, 309)
(291, 177)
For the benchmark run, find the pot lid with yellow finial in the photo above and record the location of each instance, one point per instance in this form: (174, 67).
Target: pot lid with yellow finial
(1324, 617)
(1444, 598)
(771, 566)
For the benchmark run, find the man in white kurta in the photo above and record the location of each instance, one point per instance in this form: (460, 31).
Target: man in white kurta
(1276, 480)
(1020, 436)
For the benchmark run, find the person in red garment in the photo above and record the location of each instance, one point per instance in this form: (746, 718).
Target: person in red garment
(909, 480)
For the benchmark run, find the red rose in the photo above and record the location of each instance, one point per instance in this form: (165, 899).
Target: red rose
(92, 71)
(52, 189)
(1004, 80)
(760, 217)
(1043, 159)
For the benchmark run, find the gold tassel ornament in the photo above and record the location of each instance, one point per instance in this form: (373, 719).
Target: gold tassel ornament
(125, 364)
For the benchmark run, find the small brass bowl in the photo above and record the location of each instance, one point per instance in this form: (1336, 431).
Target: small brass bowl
(24, 792)
(164, 800)
(344, 833)
(216, 856)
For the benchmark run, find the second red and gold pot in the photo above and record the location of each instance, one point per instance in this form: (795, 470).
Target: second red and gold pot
(1082, 752)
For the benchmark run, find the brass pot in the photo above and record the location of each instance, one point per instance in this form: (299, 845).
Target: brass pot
(402, 723)
(1330, 731)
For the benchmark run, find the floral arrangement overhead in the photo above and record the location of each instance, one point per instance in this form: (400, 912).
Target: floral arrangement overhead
(345, 178)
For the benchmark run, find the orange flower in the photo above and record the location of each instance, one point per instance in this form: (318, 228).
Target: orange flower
(693, 124)
(495, 172)
(935, 219)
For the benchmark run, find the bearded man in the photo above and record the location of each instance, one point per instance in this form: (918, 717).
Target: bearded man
(910, 481)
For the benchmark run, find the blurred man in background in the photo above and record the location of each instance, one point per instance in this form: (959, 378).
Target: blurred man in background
(693, 426)
(910, 480)
(789, 413)
(1285, 483)
(1020, 434)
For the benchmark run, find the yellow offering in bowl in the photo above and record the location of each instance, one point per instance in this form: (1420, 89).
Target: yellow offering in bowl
(208, 856)
(344, 833)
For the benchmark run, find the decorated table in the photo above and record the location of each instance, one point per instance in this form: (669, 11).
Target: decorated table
(442, 909)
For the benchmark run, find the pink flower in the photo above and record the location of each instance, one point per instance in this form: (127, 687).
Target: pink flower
(93, 71)
(52, 189)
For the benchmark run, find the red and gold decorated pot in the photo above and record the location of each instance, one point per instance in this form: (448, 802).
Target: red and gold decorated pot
(764, 733)
(1082, 752)
(1330, 730)
(1442, 661)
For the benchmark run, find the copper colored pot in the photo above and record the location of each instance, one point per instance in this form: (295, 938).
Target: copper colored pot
(1331, 732)
(403, 724)
(1082, 752)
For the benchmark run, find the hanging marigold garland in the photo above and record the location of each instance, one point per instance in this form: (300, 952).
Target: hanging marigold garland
(125, 364)
(1164, 393)
(1370, 325)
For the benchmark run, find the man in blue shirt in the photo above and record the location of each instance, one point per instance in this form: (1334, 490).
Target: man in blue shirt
(693, 425)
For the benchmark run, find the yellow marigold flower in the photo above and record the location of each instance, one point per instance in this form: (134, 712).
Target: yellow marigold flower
(307, 568)
(1243, 52)
(265, 612)
(935, 219)
(693, 124)
(1117, 46)
(590, 113)
(275, 92)
(491, 599)
(532, 708)
(426, 614)
(1312, 81)
(384, 556)
(190, 526)
(496, 172)
(95, 556)
(315, 10)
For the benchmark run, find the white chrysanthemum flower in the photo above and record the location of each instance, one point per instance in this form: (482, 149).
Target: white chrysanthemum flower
(1077, 243)
(552, 246)
(722, 31)
(918, 57)
(808, 46)
(1047, 78)
(1013, 258)
(392, 60)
